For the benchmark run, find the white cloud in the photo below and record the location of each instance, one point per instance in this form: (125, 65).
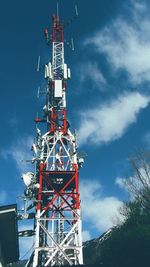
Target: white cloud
(20, 152)
(110, 121)
(3, 197)
(122, 183)
(138, 6)
(98, 211)
(126, 43)
(86, 236)
(90, 71)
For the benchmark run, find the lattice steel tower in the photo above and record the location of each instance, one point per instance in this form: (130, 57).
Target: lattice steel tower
(54, 187)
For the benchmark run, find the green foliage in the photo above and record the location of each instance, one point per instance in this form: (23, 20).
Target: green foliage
(127, 246)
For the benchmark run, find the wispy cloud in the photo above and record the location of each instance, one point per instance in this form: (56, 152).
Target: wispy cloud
(100, 212)
(3, 197)
(20, 152)
(86, 235)
(90, 71)
(13, 122)
(126, 43)
(146, 140)
(135, 183)
(110, 120)
(121, 182)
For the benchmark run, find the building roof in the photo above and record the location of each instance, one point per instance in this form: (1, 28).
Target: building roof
(9, 233)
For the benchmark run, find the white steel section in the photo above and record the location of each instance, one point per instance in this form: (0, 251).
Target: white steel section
(80, 256)
(57, 248)
(37, 236)
(49, 153)
(65, 245)
(58, 60)
(72, 242)
(68, 249)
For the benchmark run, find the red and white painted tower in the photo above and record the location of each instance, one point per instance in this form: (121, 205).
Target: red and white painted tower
(54, 187)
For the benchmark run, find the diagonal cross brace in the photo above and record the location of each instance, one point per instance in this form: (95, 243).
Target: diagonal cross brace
(57, 245)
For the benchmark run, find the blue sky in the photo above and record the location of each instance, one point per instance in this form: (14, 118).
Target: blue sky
(108, 95)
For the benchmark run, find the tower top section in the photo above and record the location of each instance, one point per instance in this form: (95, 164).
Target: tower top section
(57, 30)
(56, 75)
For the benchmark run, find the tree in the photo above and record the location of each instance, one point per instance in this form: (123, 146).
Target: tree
(129, 243)
(138, 185)
(127, 246)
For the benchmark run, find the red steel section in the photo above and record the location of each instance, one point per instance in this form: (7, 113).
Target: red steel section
(58, 121)
(66, 194)
(57, 30)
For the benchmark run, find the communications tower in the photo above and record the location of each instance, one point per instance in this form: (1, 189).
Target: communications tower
(54, 186)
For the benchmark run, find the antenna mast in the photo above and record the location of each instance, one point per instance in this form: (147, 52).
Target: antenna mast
(54, 187)
(57, 10)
